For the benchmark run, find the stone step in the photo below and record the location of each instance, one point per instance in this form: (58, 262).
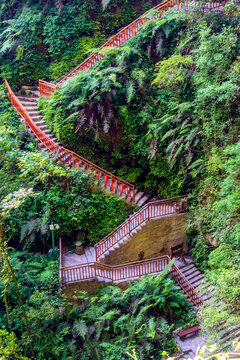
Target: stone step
(33, 113)
(195, 279)
(191, 271)
(29, 107)
(223, 331)
(205, 297)
(93, 252)
(138, 196)
(39, 122)
(185, 268)
(143, 199)
(36, 118)
(35, 93)
(89, 256)
(230, 338)
(28, 103)
(29, 99)
(198, 285)
(194, 275)
(207, 291)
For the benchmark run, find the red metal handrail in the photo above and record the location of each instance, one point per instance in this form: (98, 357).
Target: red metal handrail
(150, 211)
(129, 271)
(185, 286)
(46, 88)
(70, 158)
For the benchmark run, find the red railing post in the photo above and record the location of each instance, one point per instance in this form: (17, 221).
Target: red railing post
(111, 183)
(95, 270)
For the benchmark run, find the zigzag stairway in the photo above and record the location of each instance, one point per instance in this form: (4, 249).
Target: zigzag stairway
(91, 265)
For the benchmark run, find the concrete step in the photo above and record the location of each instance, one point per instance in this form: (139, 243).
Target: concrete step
(33, 113)
(191, 271)
(39, 122)
(35, 93)
(187, 267)
(201, 284)
(194, 275)
(28, 103)
(205, 297)
(143, 199)
(29, 107)
(195, 279)
(29, 99)
(138, 196)
(36, 118)
(228, 345)
(227, 331)
(230, 338)
(93, 252)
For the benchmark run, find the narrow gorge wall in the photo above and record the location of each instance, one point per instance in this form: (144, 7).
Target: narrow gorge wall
(154, 239)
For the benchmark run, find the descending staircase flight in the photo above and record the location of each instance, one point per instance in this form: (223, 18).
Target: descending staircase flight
(26, 107)
(227, 334)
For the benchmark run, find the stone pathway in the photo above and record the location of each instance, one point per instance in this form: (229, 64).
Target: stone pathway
(72, 259)
(190, 345)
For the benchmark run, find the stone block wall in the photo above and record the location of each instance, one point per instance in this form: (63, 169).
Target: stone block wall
(154, 239)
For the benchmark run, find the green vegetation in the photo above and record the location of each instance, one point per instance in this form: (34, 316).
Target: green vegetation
(95, 327)
(38, 190)
(162, 112)
(45, 39)
(166, 107)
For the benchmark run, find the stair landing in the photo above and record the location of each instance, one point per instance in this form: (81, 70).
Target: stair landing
(72, 259)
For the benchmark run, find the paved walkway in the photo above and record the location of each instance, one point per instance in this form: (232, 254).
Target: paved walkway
(72, 259)
(190, 345)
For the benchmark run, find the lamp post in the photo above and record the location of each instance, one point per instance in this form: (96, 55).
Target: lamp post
(53, 227)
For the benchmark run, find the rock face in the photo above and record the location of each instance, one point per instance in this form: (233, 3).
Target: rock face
(211, 240)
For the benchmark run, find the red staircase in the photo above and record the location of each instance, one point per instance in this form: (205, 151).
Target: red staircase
(126, 272)
(72, 159)
(151, 211)
(47, 88)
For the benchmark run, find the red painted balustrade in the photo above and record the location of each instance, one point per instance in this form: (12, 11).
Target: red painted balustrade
(70, 158)
(46, 88)
(113, 273)
(150, 211)
(129, 271)
(185, 286)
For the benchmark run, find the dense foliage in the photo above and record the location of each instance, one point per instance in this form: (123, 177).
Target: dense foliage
(102, 326)
(158, 131)
(166, 107)
(45, 39)
(36, 190)
(161, 112)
